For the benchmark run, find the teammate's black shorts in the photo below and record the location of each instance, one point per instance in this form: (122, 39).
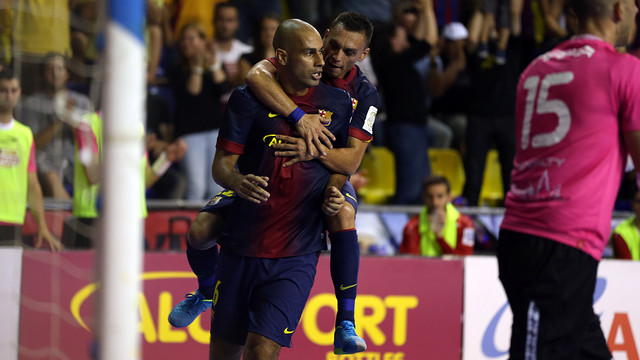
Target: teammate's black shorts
(550, 289)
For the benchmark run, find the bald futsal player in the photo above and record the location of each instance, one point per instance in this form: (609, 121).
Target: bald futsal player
(274, 232)
(345, 42)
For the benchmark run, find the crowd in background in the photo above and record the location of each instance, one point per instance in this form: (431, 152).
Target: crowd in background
(456, 91)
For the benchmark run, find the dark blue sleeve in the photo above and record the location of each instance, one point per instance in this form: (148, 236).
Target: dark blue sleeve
(365, 113)
(237, 121)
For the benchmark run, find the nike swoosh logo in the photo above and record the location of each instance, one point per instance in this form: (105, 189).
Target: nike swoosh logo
(272, 115)
(342, 287)
(287, 331)
(354, 199)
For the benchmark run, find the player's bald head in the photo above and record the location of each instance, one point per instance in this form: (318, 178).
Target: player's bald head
(596, 16)
(592, 9)
(289, 32)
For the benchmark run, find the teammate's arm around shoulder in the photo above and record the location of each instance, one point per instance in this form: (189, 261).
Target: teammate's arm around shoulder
(262, 81)
(345, 158)
(341, 160)
(249, 187)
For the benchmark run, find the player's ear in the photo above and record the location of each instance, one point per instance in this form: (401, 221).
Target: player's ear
(364, 54)
(282, 56)
(618, 11)
(326, 33)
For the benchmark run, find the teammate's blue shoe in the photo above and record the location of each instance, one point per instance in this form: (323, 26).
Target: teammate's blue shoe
(346, 341)
(188, 309)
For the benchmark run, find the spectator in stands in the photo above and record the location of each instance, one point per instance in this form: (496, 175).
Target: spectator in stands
(173, 184)
(85, 29)
(378, 11)
(449, 83)
(40, 27)
(44, 112)
(249, 14)
(227, 48)
(182, 12)
(439, 228)
(439, 135)
(404, 92)
(198, 82)
(6, 18)
(555, 22)
(20, 184)
(262, 46)
(448, 11)
(626, 236)
(491, 116)
(80, 231)
(501, 17)
(155, 41)
(311, 11)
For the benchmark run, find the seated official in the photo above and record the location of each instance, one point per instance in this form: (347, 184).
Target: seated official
(626, 236)
(439, 228)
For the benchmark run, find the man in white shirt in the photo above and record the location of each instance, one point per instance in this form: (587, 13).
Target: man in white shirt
(228, 48)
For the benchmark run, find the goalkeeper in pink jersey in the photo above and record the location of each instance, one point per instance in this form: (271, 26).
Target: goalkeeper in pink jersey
(577, 115)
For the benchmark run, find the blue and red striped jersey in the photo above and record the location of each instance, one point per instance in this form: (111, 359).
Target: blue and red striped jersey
(364, 98)
(290, 222)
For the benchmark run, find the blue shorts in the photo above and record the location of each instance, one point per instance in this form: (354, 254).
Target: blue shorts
(225, 198)
(220, 202)
(265, 296)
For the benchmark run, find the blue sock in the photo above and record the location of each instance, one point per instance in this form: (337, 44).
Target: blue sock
(345, 260)
(203, 264)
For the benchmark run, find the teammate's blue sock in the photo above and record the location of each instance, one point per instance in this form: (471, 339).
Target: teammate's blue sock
(345, 260)
(203, 264)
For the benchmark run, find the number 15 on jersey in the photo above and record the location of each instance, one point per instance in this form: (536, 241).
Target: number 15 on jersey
(537, 100)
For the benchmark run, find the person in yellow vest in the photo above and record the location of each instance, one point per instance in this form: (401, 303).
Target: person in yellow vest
(80, 231)
(626, 236)
(439, 228)
(18, 177)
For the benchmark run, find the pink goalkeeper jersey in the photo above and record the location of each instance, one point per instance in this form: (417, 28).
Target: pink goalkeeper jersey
(573, 103)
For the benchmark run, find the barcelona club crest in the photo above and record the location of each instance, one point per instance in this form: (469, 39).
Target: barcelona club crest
(327, 115)
(214, 200)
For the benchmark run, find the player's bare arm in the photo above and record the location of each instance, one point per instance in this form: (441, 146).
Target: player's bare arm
(45, 136)
(172, 153)
(439, 82)
(261, 80)
(36, 206)
(427, 28)
(250, 187)
(90, 164)
(341, 160)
